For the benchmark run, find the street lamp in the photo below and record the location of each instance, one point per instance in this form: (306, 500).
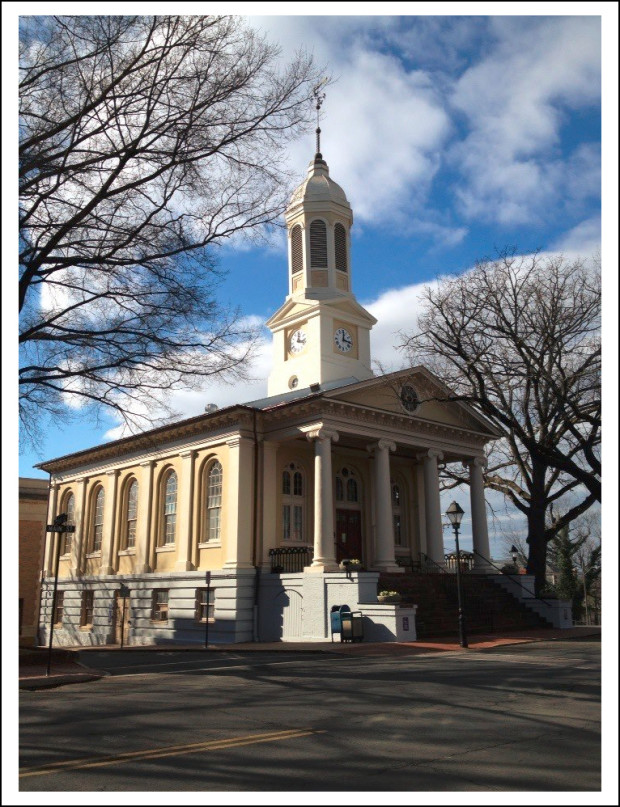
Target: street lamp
(515, 554)
(455, 514)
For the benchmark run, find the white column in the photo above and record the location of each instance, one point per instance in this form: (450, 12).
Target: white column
(144, 562)
(51, 537)
(324, 551)
(238, 481)
(384, 534)
(186, 496)
(271, 478)
(107, 542)
(432, 506)
(79, 536)
(479, 513)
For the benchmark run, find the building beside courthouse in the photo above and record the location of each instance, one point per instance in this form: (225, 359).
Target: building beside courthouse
(269, 496)
(33, 496)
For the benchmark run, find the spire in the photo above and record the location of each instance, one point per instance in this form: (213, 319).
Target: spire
(319, 97)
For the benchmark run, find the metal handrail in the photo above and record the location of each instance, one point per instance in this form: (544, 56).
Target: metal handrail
(431, 565)
(513, 577)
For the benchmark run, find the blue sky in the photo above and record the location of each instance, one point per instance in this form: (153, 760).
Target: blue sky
(452, 136)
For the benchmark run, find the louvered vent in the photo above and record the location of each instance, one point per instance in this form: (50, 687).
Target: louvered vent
(297, 259)
(318, 245)
(340, 241)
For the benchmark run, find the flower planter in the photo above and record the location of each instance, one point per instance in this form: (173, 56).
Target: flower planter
(392, 598)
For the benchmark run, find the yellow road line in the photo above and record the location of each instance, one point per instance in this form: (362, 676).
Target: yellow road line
(165, 751)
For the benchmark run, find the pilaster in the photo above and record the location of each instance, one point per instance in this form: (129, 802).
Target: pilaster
(107, 542)
(184, 535)
(238, 479)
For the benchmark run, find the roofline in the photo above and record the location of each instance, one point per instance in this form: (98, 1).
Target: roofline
(168, 428)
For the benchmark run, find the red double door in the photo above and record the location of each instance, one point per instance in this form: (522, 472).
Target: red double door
(348, 534)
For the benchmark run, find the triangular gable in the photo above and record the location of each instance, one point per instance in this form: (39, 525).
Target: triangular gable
(293, 309)
(383, 394)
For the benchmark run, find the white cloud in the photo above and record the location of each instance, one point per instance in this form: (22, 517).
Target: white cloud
(515, 102)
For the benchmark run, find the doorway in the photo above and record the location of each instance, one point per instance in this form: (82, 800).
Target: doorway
(348, 534)
(122, 614)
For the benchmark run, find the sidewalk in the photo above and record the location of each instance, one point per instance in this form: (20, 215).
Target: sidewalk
(64, 670)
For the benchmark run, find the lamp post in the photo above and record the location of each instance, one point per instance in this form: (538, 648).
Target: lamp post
(515, 554)
(455, 514)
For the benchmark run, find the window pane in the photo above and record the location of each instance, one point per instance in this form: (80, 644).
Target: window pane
(297, 523)
(298, 485)
(397, 532)
(351, 490)
(132, 511)
(215, 523)
(339, 489)
(98, 523)
(67, 536)
(201, 604)
(170, 509)
(160, 605)
(60, 598)
(286, 483)
(87, 608)
(395, 495)
(286, 522)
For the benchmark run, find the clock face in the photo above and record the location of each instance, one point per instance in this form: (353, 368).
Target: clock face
(343, 340)
(298, 341)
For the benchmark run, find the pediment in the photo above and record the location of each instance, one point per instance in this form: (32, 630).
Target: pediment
(341, 307)
(383, 394)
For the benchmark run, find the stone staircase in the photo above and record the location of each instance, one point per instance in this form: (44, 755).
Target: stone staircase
(488, 608)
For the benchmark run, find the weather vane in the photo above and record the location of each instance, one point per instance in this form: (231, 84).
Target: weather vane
(319, 97)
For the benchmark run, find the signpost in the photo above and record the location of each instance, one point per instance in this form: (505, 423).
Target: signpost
(59, 527)
(208, 582)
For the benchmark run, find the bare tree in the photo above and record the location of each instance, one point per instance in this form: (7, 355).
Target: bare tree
(520, 338)
(144, 141)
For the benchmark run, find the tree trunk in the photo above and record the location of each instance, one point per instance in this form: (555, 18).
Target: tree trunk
(536, 539)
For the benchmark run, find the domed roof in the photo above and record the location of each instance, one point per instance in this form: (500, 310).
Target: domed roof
(318, 187)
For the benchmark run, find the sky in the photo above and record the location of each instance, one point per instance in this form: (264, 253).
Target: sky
(453, 137)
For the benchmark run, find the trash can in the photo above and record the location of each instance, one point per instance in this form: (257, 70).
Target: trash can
(352, 626)
(336, 618)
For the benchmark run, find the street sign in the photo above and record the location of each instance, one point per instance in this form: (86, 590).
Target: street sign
(60, 528)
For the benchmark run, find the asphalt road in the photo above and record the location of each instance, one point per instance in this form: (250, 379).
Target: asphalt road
(517, 718)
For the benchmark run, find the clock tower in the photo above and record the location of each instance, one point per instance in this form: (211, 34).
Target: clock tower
(321, 333)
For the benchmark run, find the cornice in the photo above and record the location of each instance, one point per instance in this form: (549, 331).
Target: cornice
(156, 443)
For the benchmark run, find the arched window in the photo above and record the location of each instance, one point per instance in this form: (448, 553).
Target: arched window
(293, 502)
(347, 486)
(131, 515)
(170, 509)
(318, 245)
(66, 537)
(397, 514)
(339, 489)
(97, 530)
(297, 255)
(214, 502)
(351, 490)
(340, 245)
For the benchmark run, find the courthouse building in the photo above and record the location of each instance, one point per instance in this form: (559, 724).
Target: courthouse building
(269, 496)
